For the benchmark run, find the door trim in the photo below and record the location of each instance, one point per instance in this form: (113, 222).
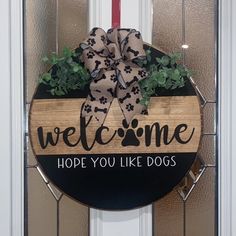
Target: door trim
(12, 119)
(227, 118)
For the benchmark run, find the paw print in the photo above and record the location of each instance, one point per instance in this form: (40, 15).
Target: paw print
(113, 78)
(137, 101)
(135, 90)
(103, 100)
(130, 137)
(127, 69)
(87, 108)
(142, 73)
(107, 62)
(91, 42)
(90, 55)
(144, 112)
(129, 107)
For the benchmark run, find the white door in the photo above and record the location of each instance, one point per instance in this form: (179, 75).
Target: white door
(13, 128)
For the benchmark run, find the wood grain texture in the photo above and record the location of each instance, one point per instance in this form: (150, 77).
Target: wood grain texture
(63, 113)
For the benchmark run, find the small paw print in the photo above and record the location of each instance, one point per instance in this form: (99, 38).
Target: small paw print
(135, 90)
(113, 78)
(103, 100)
(144, 112)
(90, 55)
(130, 136)
(142, 73)
(137, 101)
(107, 62)
(129, 107)
(128, 69)
(91, 42)
(87, 108)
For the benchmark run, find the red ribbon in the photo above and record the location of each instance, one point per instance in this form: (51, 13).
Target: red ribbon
(115, 13)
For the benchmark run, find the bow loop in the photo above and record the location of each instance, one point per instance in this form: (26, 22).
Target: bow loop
(109, 57)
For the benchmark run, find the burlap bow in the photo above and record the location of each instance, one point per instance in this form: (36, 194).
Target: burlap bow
(110, 58)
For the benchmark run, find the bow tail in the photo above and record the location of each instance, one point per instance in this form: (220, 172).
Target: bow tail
(129, 101)
(100, 97)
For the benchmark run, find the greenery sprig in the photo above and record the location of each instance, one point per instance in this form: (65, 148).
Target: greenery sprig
(67, 73)
(165, 73)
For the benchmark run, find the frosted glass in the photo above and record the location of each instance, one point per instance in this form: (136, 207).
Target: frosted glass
(196, 28)
(49, 26)
(72, 22)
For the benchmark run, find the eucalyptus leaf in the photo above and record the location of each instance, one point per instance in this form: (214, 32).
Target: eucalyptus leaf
(167, 74)
(67, 73)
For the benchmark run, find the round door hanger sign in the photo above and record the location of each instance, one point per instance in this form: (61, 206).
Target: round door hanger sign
(116, 165)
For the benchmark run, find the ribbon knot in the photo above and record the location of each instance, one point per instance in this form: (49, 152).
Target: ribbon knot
(111, 60)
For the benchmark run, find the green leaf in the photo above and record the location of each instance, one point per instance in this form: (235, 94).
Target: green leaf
(67, 52)
(46, 77)
(165, 60)
(54, 59)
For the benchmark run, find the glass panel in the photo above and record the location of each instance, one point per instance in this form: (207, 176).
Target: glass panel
(72, 22)
(170, 207)
(40, 39)
(191, 209)
(42, 207)
(49, 26)
(200, 206)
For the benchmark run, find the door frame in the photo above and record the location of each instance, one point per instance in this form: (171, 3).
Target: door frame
(12, 123)
(226, 117)
(12, 118)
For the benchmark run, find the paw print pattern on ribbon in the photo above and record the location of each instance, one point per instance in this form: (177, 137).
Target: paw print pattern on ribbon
(107, 62)
(90, 55)
(142, 73)
(135, 90)
(91, 41)
(88, 108)
(113, 78)
(128, 69)
(111, 60)
(103, 100)
(129, 107)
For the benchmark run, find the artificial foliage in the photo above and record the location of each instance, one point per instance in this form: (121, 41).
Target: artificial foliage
(166, 73)
(67, 73)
